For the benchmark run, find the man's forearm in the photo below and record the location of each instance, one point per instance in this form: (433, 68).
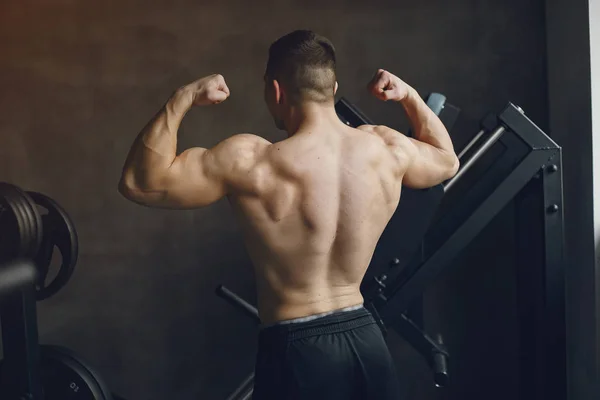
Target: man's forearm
(426, 126)
(155, 148)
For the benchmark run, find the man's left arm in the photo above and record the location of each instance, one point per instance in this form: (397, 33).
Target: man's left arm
(155, 176)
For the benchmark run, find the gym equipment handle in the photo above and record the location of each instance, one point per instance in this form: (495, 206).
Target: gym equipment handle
(478, 154)
(238, 302)
(440, 369)
(15, 275)
(471, 144)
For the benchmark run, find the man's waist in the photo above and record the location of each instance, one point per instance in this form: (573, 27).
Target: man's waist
(288, 305)
(337, 322)
(312, 317)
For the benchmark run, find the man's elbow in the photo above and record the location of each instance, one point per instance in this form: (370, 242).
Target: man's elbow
(128, 190)
(131, 189)
(125, 188)
(453, 165)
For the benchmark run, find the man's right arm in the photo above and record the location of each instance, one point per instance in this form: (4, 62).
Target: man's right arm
(429, 158)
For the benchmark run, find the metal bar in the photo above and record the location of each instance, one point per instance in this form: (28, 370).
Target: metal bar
(515, 120)
(15, 275)
(529, 273)
(245, 389)
(476, 156)
(242, 390)
(417, 338)
(541, 287)
(553, 330)
(471, 144)
(248, 395)
(238, 302)
(21, 365)
(398, 298)
(433, 350)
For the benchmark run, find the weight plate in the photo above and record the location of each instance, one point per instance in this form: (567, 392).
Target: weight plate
(28, 219)
(15, 230)
(43, 260)
(36, 218)
(20, 206)
(65, 376)
(25, 223)
(10, 235)
(32, 219)
(58, 232)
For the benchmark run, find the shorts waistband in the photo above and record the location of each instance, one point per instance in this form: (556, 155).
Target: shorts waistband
(338, 321)
(313, 317)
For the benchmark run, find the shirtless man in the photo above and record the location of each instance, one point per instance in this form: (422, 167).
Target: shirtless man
(311, 207)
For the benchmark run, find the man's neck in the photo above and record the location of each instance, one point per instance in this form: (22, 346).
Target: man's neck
(310, 116)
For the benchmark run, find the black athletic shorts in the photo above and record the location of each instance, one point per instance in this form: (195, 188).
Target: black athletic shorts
(338, 356)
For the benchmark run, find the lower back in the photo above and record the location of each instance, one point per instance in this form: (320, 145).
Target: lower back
(286, 303)
(306, 286)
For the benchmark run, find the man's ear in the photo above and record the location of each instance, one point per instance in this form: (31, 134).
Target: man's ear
(278, 91)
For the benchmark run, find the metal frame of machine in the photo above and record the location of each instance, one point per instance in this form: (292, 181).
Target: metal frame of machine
(526, 167)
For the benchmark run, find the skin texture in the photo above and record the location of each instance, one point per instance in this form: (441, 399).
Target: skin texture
(311, 207)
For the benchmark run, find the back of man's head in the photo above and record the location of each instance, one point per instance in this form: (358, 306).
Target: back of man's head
(304, 64)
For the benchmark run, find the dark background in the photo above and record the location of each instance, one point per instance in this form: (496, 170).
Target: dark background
(80, 79)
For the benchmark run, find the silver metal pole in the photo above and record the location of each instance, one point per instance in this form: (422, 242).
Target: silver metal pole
(485, 147)
(471, 144)
(248, 395)
(238, 302)
(16, 275)
(243, 388)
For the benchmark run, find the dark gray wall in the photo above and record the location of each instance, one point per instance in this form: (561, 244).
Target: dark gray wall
(80, 79)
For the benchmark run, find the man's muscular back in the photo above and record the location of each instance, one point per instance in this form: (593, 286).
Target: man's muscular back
(319, 204)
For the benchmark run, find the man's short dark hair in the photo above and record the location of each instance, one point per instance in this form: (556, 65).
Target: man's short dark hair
(304, 63)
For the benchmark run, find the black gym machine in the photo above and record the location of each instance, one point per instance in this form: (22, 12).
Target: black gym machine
(516, 161)
(33, 227)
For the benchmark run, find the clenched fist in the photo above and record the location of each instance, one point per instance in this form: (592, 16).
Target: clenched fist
(211, 89)
(387, 86)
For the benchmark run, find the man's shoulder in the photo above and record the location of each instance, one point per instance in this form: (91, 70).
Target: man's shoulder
(239, 153)
(391, 138)
(243, 157)
(243, 146)
(380, 130)
(395, 143)
(246, 141)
